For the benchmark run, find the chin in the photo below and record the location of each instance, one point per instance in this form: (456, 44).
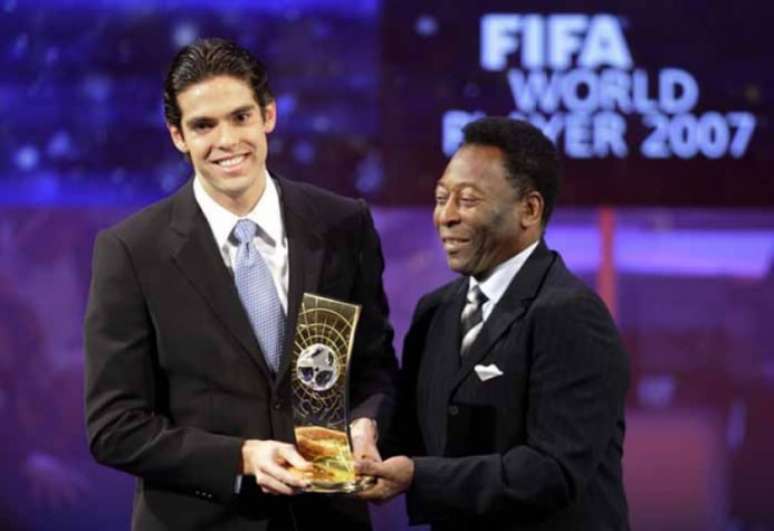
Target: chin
(458, 266)
(235, 184)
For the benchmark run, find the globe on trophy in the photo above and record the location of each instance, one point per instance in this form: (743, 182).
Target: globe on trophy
(322, 346)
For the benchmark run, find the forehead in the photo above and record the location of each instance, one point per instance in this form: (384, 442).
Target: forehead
(214, 97)
(474, 165)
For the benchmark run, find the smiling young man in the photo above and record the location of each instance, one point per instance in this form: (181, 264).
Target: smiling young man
(513, 378)
(192, 310)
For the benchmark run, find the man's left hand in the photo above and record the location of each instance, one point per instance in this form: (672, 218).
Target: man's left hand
(394, 476)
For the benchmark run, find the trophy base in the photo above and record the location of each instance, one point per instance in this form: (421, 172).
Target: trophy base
(348, 486)
(342, 487)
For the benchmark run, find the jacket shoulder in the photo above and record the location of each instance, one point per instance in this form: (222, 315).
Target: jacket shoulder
(563, 291)
(321, 199)
(431, 300)
(143, 226)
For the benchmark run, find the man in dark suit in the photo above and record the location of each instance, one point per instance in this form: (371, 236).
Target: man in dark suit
(512, 386)
(192, 310)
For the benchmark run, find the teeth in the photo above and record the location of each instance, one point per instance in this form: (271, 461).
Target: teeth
(233, 161)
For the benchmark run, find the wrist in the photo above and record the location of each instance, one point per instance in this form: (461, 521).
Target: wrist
(364, 426)
(248, 448)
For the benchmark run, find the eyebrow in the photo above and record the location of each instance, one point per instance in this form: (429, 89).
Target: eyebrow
(197, 120)
(459, 186)
(243, 108)
(208, 119)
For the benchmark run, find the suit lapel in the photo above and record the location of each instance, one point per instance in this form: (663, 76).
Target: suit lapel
(305, 255)
(511, 307)
(197, 257)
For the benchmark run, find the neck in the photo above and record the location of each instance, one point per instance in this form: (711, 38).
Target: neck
(240, 202)
(240, 205)
(521, 246)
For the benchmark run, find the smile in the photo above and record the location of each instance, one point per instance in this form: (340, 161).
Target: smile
(231, 162)
(454, 244)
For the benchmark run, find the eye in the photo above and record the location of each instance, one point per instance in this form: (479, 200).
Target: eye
(468, 200)
(201, 127)
(441, 198)
(242, 117)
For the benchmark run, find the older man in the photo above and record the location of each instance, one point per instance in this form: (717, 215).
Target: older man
(512, 390)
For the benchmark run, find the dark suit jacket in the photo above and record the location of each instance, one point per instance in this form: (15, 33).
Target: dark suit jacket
(538, 448)
(175, 380)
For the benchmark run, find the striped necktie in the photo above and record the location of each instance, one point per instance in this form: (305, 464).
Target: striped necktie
(472, 318)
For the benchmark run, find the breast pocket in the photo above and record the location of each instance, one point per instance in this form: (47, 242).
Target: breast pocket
(498, 379)
(502, 390)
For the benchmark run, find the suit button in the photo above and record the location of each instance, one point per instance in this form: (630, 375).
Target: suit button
(453, 410)
(277, 405)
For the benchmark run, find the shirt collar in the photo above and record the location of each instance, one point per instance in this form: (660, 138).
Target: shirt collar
(501, 276)
(266, 213)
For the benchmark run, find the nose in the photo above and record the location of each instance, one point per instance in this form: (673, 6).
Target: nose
(447, 213)
(227, 137)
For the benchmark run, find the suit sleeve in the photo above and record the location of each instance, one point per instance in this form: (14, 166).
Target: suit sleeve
(125, 429)
(576, 391)
(373, 366)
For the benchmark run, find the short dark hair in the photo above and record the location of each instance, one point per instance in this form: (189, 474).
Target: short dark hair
(207, 58)
(531, 159)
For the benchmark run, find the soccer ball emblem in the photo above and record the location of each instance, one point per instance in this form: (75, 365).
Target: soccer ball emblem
(317, 367)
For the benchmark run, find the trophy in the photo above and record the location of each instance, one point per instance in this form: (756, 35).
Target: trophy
(325, 333)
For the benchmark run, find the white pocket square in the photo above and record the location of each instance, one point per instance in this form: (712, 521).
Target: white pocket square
(487, 372)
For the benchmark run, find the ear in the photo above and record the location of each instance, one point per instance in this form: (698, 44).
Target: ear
(532, 212)
(177, 138)
(269, 114)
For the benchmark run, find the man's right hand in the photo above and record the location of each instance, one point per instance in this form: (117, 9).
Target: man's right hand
(268, 461)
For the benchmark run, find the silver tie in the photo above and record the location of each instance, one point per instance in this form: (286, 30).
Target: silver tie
(472, 318)
(258, 293)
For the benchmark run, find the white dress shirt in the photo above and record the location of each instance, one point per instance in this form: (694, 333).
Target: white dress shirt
(499, 279)
(270, 239)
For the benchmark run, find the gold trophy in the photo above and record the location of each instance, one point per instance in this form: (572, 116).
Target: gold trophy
(325, 333)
